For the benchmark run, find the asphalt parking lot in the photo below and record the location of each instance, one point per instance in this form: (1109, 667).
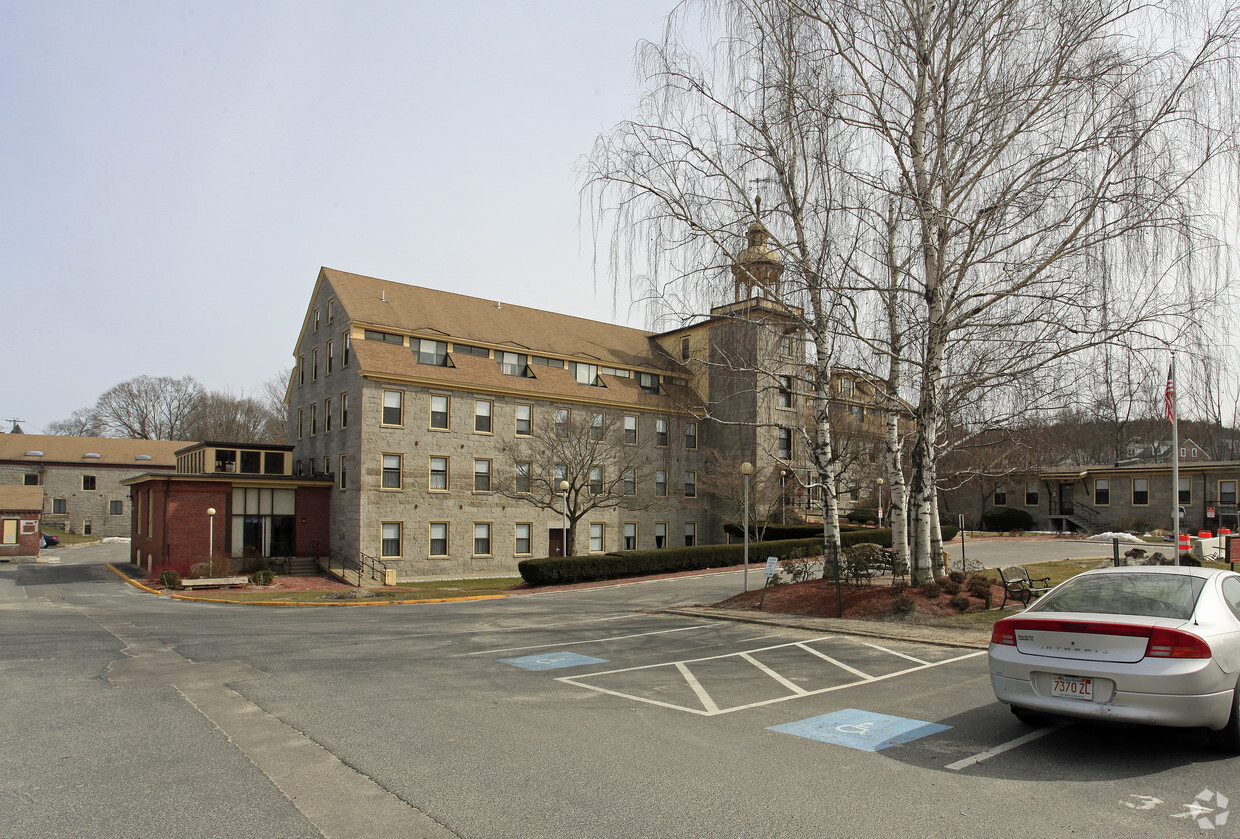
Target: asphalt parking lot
(576, 714)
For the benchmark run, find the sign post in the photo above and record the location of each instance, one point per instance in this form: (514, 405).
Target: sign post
(771, 562)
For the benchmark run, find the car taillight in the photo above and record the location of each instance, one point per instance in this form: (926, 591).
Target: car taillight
(1004, 632)
(1172, 643)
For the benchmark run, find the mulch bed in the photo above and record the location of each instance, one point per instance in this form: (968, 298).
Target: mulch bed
(817, 598)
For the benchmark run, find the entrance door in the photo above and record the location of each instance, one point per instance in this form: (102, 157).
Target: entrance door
(555, 542)
(1065, 498)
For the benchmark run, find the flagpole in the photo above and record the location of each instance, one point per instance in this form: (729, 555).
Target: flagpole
(1173, 416)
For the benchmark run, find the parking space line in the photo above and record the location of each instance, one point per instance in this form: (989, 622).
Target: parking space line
(900, 654)
(702, 695)
(792, 686)
(838, 664)
(596, 640)
(1000, 749)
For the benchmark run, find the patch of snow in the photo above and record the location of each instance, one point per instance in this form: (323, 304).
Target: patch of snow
(115, 539)
(1123, 537)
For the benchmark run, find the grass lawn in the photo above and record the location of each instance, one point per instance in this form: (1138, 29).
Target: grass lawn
(70, 538)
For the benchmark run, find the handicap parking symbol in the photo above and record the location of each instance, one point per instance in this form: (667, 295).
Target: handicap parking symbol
(863, 730)
(552, 661)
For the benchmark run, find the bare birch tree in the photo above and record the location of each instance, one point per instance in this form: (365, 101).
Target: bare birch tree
(1022, 143)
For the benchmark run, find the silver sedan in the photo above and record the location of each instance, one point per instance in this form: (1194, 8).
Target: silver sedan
(1156, 645)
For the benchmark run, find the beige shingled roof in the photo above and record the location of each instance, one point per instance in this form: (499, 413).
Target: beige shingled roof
(113, 451)
(430, 312)
(22, 498)
(483, 374)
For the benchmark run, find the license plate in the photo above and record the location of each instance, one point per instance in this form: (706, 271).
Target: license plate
(1073, 687)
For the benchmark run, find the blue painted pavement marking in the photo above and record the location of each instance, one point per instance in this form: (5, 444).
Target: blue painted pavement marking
(864, 730)
(552, 661)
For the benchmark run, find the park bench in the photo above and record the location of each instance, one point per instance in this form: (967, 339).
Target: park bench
(1017, 585)
(214, 582)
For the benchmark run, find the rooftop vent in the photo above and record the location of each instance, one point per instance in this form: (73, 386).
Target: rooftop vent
(143, 457)
(34, 454)
(95, 455)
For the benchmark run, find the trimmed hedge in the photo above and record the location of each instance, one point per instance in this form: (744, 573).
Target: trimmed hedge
(610, 566)
(1006, 518)
(780, 532)
(555, 570)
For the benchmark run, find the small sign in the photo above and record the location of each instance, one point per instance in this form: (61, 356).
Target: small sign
(770, 566)
(1211, 513)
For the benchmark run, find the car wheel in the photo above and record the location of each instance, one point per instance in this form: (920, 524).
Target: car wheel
(1029, 717)
(1227, 738)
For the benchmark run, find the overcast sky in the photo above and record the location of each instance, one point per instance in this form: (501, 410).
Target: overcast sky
(174, 173)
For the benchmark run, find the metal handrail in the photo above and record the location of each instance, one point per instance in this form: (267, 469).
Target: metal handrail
(376, 567)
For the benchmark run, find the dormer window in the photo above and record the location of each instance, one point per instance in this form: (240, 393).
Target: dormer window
(586, 374)
(649, 382)
(512, 363)
(432, 352)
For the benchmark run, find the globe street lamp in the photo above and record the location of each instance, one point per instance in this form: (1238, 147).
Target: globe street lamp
(783, 496)
(210, 540)
(564, 529)
(746, 471)
(880, 503)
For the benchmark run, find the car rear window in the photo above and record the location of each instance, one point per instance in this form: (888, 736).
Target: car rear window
(1146, 595)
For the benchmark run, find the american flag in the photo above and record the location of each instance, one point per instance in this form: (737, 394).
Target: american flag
(1169, 396)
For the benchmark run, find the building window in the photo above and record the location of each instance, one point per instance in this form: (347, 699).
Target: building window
(522, 546)
(660, 534)
(596, 480)
(525, 420)
(314, 419)
(389, 338)
(1102, 492)
(630, 535)
(469, 349)
(430, 352)
(523, 482)
(630, 430)
(1000, 496)
(330, 357)
(597, 543)
(116, 508)
(391, 471)
(585, 374)
(690, 483)
(691, 430)
(60, 507)
(846, 387)
(344, 410)
(88, 482)
(301, 370)
(327, 465)
(331, 309)
(314, 364)
(393, 410)
(561, 422)
(10, 532)
(299, 423)
(648, 382)
(690, 534)
(327, 414)
(482, 539)
(31, 479)
(596, 425)
(1183, 452)
(482, 476)
(785, 444)
(390, 544)
(1031, 494)
(560, 471)
(346, 350)
(684, 348)
(1186, 491)
(630, 480)
(316, 320)
(785, 345)
(344, 479)
(439, 538)
(439, 474)
(1140, 491)
(512, 363)
(660, 482)
(482, 416)
(785, 392)
(439, 412)
(660, 431)
(858, 412)
(1227, 492)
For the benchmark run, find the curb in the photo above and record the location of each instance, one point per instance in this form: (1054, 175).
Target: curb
(942, 636)
(150, 590)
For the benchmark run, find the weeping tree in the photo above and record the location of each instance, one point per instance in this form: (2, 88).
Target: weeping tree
(945, 183)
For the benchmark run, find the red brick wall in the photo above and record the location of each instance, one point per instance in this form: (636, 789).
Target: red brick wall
(27, 543)
(313, 518)
(189, 527)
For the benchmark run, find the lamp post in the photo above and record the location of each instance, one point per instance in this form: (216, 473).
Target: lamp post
(783, 496)
(564, 530)
(746, 471)
(210, 540)
(880, 503)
